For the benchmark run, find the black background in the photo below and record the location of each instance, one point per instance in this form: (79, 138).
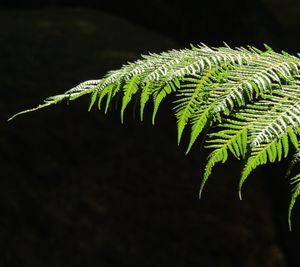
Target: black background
(81, 189)
(236, 22)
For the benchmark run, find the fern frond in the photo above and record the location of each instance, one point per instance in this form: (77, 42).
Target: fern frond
(130, 88)
(87, 87)
(295, 180)
(244, 102)
(272, 130)
(295, 194)
(294, 161)
(196, 90)
(232, 138)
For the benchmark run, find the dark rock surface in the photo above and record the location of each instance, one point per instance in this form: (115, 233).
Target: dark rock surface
(80, 189)
(247, 22)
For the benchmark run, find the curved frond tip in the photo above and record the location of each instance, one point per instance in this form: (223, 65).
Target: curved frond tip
(244, 102)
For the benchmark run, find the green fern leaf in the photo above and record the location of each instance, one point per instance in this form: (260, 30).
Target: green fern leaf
(199, 121)
(295, 160)
(295, 194)
(243, 102)
(194, 91)
(93, 99)
(219, 155)
(145, 95)
(130, 88)
(159, 95)
(233, 138)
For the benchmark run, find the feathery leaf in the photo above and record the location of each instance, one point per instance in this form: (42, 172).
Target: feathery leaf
(244, 102)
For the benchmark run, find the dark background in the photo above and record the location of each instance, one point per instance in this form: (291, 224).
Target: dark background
(80, 189)
(250, 22)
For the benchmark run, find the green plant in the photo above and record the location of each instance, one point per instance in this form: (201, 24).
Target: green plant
(244, 101)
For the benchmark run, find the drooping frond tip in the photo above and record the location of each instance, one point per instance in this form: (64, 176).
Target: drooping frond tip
(243, 102)
(84, 88)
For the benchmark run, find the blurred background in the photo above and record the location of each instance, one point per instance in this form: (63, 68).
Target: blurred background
(78, 188)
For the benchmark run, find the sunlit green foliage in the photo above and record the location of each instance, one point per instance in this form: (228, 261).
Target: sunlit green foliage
(244, 102)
